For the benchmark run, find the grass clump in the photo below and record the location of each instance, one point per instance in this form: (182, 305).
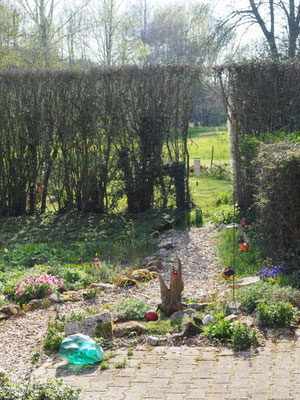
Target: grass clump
(164, 326)
(132, 309)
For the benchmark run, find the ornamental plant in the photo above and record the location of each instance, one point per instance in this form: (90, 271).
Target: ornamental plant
(35, 287)
(275, 315)
(274, 272)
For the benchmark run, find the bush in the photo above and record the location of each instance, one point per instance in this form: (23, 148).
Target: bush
(275, 315)
(243, 337)
(50, 390)
(277, 202)
(250, 296)
(224, 214)
(223, 198)
(132, 309)
(220, 330)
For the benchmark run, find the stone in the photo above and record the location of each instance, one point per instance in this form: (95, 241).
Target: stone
(153, 269)
(124, 281)
(35, 304)
(197, 306)
(189, 313)
(152, 340)
(165, 246)
(126, 328)
(10, 310)
(198, 320)
(235, 307)
(80, 349)
(190, 329)
(72, 295)
(156, 263)
(250, 280)
(91, 326)
(2, 373)
(102, 286)
(208, 319)
(143, 275)
(230, 318)
(55, 298)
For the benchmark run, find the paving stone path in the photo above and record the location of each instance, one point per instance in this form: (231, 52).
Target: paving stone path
(189, 373)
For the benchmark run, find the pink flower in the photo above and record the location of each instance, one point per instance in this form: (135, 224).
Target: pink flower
(96, 259)
(20, 290)
(68, 246)
(5, 297)
(48, 291)
(97, 264)
(90, 264)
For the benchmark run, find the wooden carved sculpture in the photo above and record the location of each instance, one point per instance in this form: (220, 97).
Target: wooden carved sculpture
(171, 295)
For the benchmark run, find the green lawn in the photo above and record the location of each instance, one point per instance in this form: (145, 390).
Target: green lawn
(205, 188)
(201, 141)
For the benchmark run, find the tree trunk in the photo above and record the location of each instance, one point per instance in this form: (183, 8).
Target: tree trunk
(171, 295)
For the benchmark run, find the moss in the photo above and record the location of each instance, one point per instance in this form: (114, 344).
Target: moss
(104, 330)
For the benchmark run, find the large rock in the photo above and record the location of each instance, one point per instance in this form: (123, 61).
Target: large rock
(11, 310)
(230, 318)
(155, 265)
(35, 304)
(93, 326)
(152, 340)
(2, 373)
(73, 295)
(250, 280)
(235, 307)
(126, 328)
(55, 298)
(102, 286)
(189, 313)
(165, 245)
(124, 281)
(143, 275)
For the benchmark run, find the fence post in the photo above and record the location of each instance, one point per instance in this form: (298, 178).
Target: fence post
(197, 166)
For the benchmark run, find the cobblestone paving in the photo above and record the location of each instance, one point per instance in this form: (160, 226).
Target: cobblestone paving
(189, 373)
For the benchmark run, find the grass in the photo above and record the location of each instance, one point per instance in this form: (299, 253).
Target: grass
(203, 139)
(163, 326)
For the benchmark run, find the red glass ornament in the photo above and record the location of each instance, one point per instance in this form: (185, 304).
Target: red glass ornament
(151, 315)
(175, 274)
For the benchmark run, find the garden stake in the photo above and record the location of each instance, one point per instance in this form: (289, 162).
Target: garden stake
(233, 248)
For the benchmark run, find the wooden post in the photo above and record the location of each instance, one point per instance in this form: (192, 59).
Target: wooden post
(212, 157)
(171, 295)
(197, 166)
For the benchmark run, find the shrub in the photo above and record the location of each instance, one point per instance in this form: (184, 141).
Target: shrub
(51, 389)
(250, 296)
(275, 315)
(220, 330)
(223, 197)
(243, 336)
(224, 214)
(132, 309)
(277, 202)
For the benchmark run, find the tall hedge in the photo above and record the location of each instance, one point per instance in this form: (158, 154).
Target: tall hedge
(262, 97)
(277, 202)
(85, 139)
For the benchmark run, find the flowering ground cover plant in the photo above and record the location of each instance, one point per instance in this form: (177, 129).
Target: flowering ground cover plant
(273, 272)
(34, 287)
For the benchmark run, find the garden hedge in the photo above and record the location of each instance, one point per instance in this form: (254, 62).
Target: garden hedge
(87, 139)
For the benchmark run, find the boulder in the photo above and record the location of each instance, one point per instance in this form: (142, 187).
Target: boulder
(250, 280)
(2, 373)
(165, 246)
(126, 328)
(235, 307)
(11, 310)
(35, 304)
(208, 319)
(152, 340)
(190, 329)
(154, 265)
(72, 295)
(230, 318)
(56, 298)
(94, 326)
(124, 281)
(189, 313)
(143, 275)
(102, 286)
